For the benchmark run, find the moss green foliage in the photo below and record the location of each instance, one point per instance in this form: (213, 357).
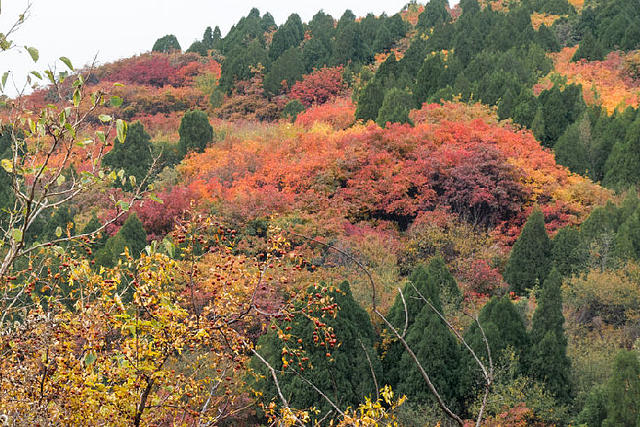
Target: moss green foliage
(131, 236)
(568, 254)
(345, 376)
(166, 44)
(292, 109)
(623, 165)
(549, 361)
(590, 49)
(530, 258)
(623, 391)
(395, 108)
(133, 155)
(195, 131)
(288, 68)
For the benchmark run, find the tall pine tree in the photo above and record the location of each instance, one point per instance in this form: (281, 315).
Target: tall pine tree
(623, 391)
(530, 258)
(549, 361)
(133, 154)
(345, 376)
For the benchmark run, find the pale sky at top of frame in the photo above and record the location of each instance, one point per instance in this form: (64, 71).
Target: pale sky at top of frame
(109, 30)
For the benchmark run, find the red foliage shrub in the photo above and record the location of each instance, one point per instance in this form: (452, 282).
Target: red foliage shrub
(159, 219)
(339, 114)
(319, 87)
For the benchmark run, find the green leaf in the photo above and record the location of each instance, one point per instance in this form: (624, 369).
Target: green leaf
(37, 74)
(121, 127)
(116, 101)
(90, 358)
(33, 52)
(156, 199)
(4, 78)
(123, 205)
(7, 165)
(67, 62)
(61, 179)
(17, 235)
(58, 231)
(101, 136)
(76, 98)
(105, 118)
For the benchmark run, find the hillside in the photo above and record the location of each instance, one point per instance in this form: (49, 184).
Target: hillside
(429, 218)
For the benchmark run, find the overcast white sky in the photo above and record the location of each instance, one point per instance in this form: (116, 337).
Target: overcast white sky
(82, 29)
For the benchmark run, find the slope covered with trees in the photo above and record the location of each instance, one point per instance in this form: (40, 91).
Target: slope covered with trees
(428, 218)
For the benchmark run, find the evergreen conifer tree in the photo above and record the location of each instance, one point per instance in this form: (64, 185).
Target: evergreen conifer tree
(589, 49)
(370, 101)
(131, 235)
(549, 361)
(530, 258)
(395, 108)
(439, 354)
(133, 154)
(404, 313)
(504, 328)
(568, 253)
(289, 67)
(430, 78)
(622, 168)
(439, 273)
(345, 376)
(166, 44)
(435, 13)
(623, 391)
(627, 241)
(195, 131)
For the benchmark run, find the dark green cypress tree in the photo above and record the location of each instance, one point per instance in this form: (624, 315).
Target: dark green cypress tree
(589, 49)
(399, 318)
(439, 274)
(383, 40)
(208, 39)
(345, 377)
(627, 240)
(631, 38)
(537, 125)
(594, 411)
(574, 148)
(166, 44)
(395, 108)
(195, 131)
(289, 67)
(430, 78)
(547, 39)
(199, 48)
(315, 54)
(239, 60)
(623, 391)
(435, 13)
(94, 224)
(503, 327)
(288, 36)
(568, 253)
(131, 235)
(370, 101)
(530, 258)
(133, 154)
(348, 46)
(439, 354)
(622, 168)
(506, 105)
(549, 361)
